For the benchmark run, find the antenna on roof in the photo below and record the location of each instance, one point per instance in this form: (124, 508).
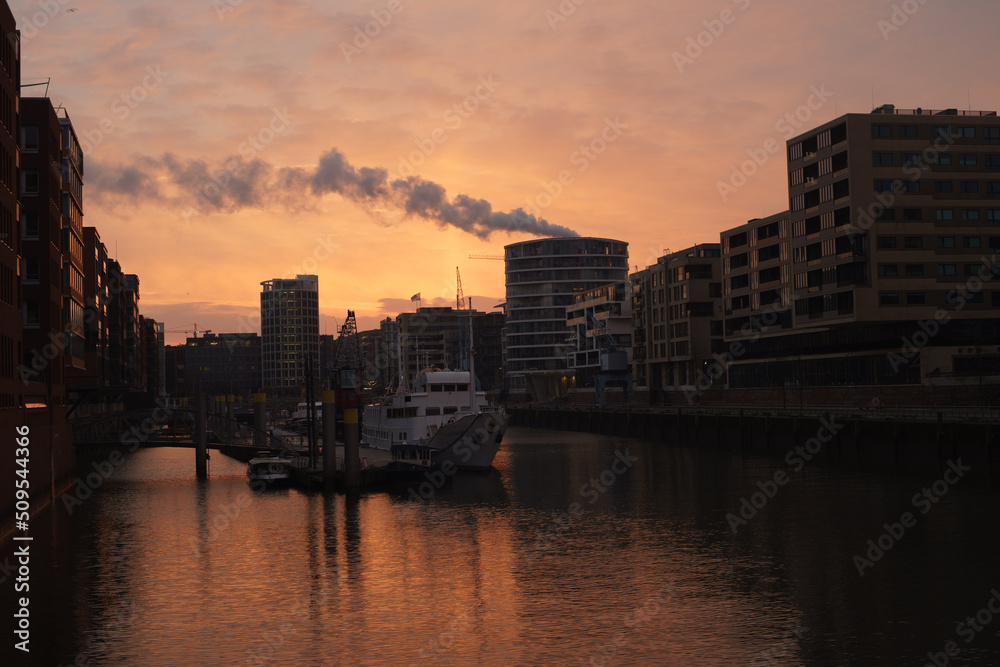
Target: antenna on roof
(40, 83)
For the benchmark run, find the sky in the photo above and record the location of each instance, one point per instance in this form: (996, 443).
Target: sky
(379, 143)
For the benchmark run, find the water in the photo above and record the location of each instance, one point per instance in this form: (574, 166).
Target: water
(559, 557)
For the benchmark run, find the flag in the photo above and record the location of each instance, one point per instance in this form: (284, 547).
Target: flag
(415, 297)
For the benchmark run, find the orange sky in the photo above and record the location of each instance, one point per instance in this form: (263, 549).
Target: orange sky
(669, 97)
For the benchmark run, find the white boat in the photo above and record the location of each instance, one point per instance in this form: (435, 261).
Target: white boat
(272, 470)
(442, 421)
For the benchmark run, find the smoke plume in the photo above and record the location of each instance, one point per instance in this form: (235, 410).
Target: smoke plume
(198, 188)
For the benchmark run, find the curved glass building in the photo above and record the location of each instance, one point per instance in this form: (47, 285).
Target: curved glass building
(543, 277)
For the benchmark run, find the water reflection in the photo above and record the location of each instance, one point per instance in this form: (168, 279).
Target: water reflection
(577, 549)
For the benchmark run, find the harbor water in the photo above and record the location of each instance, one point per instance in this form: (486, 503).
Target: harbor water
(578, 549)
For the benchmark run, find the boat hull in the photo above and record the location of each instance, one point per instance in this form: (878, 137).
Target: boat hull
(468, 443)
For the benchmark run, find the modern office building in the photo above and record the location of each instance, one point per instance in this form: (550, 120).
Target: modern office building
(893, 224)
(677, 310)
(435, 336)
(289, 314)
(543, 278)
(225, 363)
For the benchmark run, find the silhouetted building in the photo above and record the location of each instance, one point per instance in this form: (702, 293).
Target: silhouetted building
(596, 312)
(289, 314)
(226, 363)
(543, 278)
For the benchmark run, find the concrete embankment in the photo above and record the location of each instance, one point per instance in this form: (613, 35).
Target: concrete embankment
(844, 434)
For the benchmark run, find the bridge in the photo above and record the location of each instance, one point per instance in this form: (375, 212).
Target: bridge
(176, 427)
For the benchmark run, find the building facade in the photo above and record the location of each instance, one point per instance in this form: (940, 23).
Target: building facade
(677, 318)
(222, 364)
(893, 223)
(543, 278)
(289, 314)
(606, 309)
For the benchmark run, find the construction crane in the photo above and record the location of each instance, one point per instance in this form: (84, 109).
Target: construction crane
(614, 368)
(348, 354)
(459, 294)
(487, 257)
(196, 330)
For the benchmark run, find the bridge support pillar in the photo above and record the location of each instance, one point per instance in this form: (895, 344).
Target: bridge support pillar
(329, 435)
(259, 420)
(201, 444)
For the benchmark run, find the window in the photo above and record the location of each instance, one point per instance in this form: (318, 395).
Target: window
(31, 269)
(888, 298)
(908, 131)
(883, 159)
(994, 242)
(915, 298)
(770, 275)
(888, 270)
(993, 161)
(768, 253)
(966, 132)
(946, 241)
(942, 159)
(970, 214)
(29, 225)
(911, 187)
(993, 189)
(841, 189)
(838, 134)
(946, 269)
(967, 159)
(911, 214)
(971, 242)
(738, 261)
(968, 187)
(945, 214)
(993, 216)
(942, 131)
(991, 135)
(910, 158)
(814, 251)
(973, 269)
(739, 282)
(839, 161)
(943, 186)
(886, 242)
(881, 130)
(29, 139)
(883, 186)
(913, 241)
(29, 182)
(887, 214)
(813, 225)
(914, 270)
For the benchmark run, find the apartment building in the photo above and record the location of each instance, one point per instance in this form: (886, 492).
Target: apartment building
(677, 317)
(602, 310)
(894, 220)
